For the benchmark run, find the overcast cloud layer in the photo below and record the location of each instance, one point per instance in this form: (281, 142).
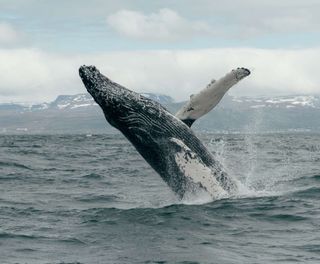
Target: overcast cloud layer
(167, 47)
(29, 74)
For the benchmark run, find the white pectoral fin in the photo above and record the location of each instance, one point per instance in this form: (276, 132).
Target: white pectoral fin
(193, 168)
(201, 103)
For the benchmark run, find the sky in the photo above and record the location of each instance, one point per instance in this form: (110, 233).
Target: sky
(169, 47)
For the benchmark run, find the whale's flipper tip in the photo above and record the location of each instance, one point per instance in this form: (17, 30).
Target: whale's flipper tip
(247, 70)
(241, 73)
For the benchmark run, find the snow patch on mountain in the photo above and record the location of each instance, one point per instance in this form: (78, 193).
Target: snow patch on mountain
(68, 102)
(83, 101)
(308, 101)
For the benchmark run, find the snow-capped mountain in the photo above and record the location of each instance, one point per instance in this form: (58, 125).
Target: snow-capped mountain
(299, 101)
(69, 102)
(73, 101)
(80, 114)
(86, 100)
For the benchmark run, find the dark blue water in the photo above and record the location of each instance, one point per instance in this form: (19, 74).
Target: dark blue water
(93, 199)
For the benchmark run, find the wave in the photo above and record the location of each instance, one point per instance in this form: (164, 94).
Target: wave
(93, 176)
(69, 240)
(18, 236)
(14, 164)
(311, 192)
(97, 198)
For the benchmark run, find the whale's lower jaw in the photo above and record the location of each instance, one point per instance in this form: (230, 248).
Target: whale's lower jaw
(164, 141)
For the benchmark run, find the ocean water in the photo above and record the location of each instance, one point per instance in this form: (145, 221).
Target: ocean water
(93, 199)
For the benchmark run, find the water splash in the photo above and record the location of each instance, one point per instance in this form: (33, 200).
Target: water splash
(262, 165)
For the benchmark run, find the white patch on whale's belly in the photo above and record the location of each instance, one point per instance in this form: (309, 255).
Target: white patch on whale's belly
(193, 168)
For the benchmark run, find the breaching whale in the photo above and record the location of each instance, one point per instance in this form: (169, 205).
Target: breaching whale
(163, 140)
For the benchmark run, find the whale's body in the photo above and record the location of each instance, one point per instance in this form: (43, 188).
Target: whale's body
(163, 140)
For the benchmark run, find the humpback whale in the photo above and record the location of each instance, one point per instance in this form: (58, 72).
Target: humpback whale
(163, 140)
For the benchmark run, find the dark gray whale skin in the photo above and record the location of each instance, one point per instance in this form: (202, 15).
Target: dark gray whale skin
(153, 131)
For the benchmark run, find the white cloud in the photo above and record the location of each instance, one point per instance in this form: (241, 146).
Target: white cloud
(8, 34)
(227, 20)
(33, 75)
(166, 25)
(263, 16)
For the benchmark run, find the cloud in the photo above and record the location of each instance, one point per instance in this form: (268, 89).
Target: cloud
(165, 25)
(34, 75)
(251, 18)
(8, 34)
(181, 20)
(225, 20)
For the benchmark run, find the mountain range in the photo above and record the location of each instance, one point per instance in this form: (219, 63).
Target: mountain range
(80, 114)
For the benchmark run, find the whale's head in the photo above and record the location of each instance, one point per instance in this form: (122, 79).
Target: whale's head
(100, 87)
(116, 101)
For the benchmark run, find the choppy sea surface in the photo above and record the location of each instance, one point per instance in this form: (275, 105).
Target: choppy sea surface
(93, 199)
